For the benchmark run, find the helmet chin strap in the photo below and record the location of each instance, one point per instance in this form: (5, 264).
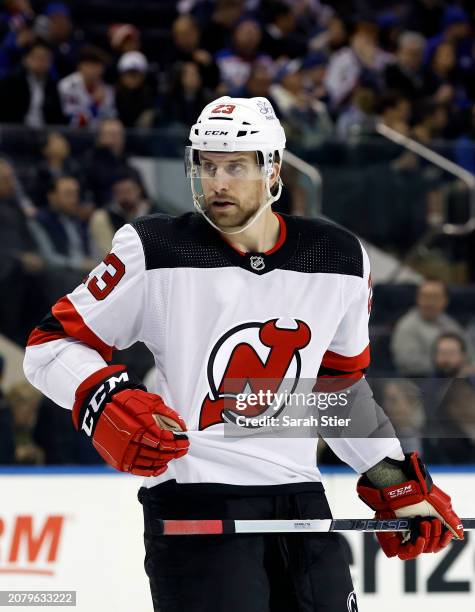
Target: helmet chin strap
(270, 199)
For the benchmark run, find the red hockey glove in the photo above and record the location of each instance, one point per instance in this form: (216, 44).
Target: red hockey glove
(417, 497)
(132, 430)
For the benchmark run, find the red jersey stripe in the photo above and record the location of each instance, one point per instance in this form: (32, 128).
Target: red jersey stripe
(73, 326)
(277, 245)
(38, 336)
(332, 384)
(282, 235)
(335, 361)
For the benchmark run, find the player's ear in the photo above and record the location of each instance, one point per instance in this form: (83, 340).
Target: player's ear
(274, 177)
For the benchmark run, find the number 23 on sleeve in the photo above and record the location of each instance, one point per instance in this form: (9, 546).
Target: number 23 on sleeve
(101, 286)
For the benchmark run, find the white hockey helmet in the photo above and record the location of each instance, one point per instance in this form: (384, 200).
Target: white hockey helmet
(237, 124)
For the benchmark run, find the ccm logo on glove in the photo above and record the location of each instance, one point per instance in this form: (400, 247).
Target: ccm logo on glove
(98, 400)
(93, 405)
(133, 431)
(401, 491)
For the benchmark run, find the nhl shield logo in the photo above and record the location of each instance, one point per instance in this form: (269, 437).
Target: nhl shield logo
(257, 262)
(351, 602)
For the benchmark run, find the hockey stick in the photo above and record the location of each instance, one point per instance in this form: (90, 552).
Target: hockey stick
(218, 527)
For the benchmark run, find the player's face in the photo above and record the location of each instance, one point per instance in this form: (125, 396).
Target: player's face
(233, 187)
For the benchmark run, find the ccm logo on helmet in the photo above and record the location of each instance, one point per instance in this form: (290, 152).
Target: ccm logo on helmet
(99, 398)
(215, 133)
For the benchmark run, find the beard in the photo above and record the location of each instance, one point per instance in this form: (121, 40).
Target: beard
(447, 371)
(234, 218)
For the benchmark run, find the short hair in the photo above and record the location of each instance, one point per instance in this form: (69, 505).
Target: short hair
(409, 37)
(55, 180)
(93, 54)
(437, 281)
(125, 175)
(38, 43)
(278, 9)
(451, 335)
(391, 100)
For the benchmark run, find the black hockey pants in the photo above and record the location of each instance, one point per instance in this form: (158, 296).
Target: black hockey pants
(244, 573)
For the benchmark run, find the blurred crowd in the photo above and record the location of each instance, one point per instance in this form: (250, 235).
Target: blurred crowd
(333, 70)
(330, 68)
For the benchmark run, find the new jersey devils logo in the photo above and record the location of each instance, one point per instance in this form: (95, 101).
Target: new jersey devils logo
(251, 357)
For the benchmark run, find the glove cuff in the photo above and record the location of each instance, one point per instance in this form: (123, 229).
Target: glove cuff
(411, 491)
(94, 393)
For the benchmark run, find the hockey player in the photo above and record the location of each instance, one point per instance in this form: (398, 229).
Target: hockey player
(221, 297)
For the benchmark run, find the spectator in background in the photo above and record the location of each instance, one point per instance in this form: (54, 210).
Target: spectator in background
(217, 33)
(394, 110)
(358, 119)
(126, 205)
(258, 84)
(449, 361)
(106, 161)
(7, 444)
(187, 47)
(18, 25)
(23, 400)
(402, 403)
(431, 119)
(21, 266)
(450, 401)
(186, 95)
(456, 31)
(333, 38)
(450, 356)
(444, 82)
(455, 423)
(306, 119)
(363, 59)
(314, 67)
(235, 62)
(134, 96)
(406, 75)
(56, 162)
(280, 37)
(60, 235)
(123, 38)
(30, 95)
(85, 97)
(56, 27)
(390, 29)
(415, 333)
(11, 11)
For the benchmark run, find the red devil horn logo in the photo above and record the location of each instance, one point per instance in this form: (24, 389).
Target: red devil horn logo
(245, 369)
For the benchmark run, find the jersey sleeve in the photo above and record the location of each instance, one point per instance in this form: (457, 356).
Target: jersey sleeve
(82, 329)
(349, 352)
(343, 367)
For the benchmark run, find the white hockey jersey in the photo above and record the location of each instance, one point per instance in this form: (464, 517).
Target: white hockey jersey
(209, 313)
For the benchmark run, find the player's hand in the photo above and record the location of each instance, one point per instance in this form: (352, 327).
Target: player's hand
(133, 431)
(416, 497)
